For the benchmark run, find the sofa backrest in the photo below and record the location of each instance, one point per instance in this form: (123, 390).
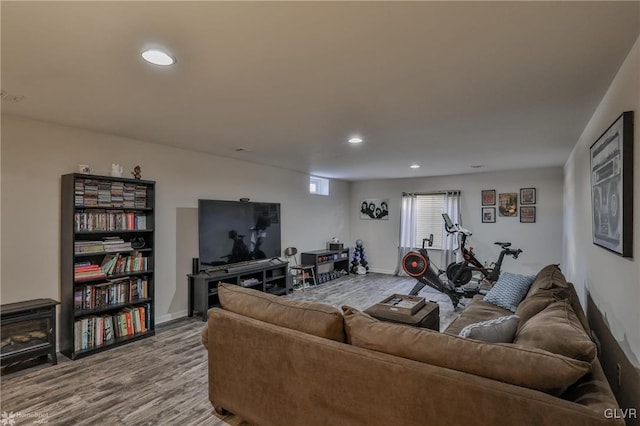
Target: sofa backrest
(315, 318)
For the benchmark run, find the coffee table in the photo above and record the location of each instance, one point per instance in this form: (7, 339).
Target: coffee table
(427, 317)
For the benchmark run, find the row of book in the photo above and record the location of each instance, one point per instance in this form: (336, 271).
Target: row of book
(109, 221)
(96, 331)
(107, 244)
(115, 292)
(102, 193)
(112, 264)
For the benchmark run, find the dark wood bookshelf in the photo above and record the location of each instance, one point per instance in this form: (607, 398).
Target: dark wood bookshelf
(79, 194)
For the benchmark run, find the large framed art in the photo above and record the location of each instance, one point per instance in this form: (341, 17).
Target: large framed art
(612, 187)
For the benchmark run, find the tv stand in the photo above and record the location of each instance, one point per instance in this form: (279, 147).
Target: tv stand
(267, 275)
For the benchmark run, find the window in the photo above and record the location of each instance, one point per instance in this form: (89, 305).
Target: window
(429, 210)
(318, 185)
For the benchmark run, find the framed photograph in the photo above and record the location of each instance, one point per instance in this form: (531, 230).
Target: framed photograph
(374, 208)
(612, 187)
(528, 214)
(489, 197)
(527, 196)
(508, 204)
(488, 215)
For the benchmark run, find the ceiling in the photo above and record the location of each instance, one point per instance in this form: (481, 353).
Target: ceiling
(447, 85)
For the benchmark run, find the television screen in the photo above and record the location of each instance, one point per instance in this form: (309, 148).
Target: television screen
(237, 231)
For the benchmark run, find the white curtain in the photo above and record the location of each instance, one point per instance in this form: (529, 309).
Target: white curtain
(407, 229)
(449, 252)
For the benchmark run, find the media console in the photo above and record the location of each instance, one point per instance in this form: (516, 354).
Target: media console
(270, 276)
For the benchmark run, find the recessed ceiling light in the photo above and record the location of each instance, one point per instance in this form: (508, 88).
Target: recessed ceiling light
(158, 57)
(415, 166)
(355, 139)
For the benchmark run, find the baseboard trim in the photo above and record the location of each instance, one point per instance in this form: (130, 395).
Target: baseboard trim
(171, 316)
(627, 391)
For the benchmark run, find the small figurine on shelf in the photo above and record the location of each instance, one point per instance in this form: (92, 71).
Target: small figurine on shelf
(116, 170)
(137, 172)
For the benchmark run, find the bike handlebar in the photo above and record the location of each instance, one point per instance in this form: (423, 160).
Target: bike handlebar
(514, 253)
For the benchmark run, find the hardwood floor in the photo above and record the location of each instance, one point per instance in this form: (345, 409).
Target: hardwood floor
(161, 380)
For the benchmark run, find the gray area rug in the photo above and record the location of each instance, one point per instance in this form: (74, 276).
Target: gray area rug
(363, 291)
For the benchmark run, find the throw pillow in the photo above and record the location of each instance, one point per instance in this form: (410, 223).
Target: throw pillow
(550, 278)
(509, 291)
(506, 362)
(497, 330)
(557, 329)
(314, 318)
(536, 303)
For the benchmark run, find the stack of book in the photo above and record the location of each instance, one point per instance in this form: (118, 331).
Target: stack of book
(140, 200)
(90, 193)
(117, 189)
(86, 271)
(104, 194)
(80, 247)
(129, 195)
(79, 193)
(113, 244)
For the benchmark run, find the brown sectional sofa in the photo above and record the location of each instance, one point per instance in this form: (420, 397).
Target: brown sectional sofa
(275, 361)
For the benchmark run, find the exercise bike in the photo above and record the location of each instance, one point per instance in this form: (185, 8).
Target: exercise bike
(417, 264)
(460, 273)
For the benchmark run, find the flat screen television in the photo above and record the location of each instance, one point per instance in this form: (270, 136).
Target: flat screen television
(237, 231)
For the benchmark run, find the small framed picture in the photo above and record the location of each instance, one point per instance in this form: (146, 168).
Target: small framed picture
(527, 196)
(489, 197)
(508, 204)
(488, 215)
(528, 214)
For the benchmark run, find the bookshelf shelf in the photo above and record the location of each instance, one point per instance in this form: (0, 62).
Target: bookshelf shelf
(103, 306)
(108, 308)
(118, 341)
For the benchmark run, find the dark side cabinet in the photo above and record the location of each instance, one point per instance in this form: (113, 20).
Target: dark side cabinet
(107, 262)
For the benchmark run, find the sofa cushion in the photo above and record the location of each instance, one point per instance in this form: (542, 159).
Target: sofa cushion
(476, 311)
(509, 290)
(536, 303)
(314, 318)
(510, 363)
(549, 278)
(557, 329)
(497, 330)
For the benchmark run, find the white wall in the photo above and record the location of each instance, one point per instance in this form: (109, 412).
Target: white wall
(540, 241)
(613, 281)
(35, 154)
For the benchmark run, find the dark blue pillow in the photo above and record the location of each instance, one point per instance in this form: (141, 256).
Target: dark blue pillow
(509, 290)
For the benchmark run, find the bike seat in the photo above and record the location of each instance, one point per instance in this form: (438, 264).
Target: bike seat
(503, 245)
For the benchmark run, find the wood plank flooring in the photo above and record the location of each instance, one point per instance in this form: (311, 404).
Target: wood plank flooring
(161, 380)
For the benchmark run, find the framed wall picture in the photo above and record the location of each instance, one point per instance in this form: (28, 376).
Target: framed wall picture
(527, 196)
(612, 187)
(488, 215)
(508, 204)
(528, 214)
(489, 197)
(374, 208)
